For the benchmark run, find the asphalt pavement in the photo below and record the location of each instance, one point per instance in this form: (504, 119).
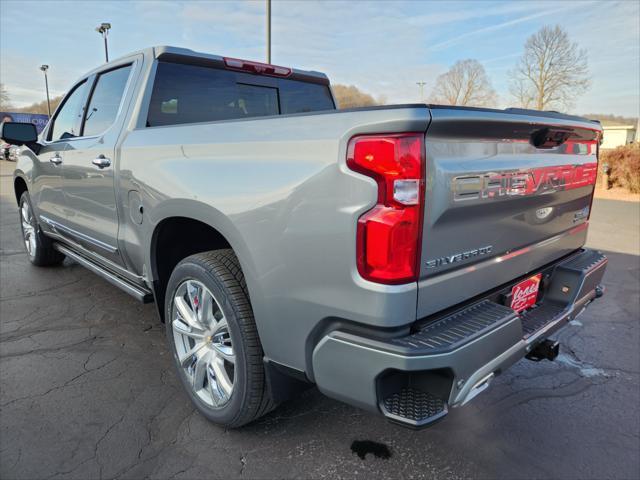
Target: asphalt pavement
(87, 390)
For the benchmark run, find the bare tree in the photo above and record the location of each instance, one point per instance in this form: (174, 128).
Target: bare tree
(349, 96)
(466, 83)
(4, 97)
(552, 71)
(522, 91)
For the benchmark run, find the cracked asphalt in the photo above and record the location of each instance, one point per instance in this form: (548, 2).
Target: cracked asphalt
(87, 390)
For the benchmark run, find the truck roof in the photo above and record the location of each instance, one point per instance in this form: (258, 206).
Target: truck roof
(191, 56)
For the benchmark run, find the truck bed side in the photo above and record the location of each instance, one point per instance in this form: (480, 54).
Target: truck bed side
(278, 189)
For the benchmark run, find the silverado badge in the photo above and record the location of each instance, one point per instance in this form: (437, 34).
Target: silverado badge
(459, 257)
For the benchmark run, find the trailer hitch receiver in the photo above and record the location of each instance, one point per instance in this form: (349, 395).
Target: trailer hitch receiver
(547, 349)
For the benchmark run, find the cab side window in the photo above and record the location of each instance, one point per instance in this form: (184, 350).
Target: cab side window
(105, 100)
(68, 120)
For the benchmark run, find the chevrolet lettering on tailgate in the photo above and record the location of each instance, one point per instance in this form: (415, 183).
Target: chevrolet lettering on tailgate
(534, 181)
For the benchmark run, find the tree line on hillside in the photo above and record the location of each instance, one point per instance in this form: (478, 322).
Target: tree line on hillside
(37, 107)
(41, 107)
(611, 119)
(349, 96)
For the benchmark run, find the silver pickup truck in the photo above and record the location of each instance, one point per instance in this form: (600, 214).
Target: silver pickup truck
(398, 257)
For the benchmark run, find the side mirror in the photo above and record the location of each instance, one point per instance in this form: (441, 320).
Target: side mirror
(17, 133)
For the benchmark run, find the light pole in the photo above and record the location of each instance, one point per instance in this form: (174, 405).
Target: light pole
(44, 69)
(268, 31)
(421, 85)
(103, 29)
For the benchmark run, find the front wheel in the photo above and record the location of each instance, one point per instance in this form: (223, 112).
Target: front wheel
(39, 247)
(214, 340)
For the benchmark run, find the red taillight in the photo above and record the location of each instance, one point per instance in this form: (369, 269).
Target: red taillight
(389, 235)
(256, 67)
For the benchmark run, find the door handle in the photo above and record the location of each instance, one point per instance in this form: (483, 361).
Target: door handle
(101, 161)
(56, 159)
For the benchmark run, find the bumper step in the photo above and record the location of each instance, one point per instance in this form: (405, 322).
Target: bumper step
(460, 327)
(585, 262)
(574, 284)
(414, 407)
(534, 320)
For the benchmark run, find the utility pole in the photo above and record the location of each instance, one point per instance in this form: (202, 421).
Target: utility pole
(44, 69)
(421, 85)
(103, 29)
(268, 31)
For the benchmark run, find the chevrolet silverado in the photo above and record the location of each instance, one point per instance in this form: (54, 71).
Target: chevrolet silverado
(397, 257)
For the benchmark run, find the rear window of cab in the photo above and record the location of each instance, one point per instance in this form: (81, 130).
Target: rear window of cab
(185, 93)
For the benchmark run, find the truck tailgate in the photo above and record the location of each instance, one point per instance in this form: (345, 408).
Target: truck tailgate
(506, 193)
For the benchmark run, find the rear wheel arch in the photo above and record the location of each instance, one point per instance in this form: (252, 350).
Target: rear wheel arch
(175, 238)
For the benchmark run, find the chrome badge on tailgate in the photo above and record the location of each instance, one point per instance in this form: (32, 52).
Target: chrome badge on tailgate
(459, 257)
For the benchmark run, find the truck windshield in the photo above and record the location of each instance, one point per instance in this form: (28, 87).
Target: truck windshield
(191, 93)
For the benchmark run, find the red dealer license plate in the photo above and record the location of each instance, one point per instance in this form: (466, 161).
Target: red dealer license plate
(524, 294)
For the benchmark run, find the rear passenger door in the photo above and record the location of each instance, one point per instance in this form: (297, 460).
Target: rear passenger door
(89, 166)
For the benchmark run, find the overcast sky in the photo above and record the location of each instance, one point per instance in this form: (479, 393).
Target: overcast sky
(381, 47)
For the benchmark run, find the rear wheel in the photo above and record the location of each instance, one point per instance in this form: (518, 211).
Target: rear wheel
(214, 340)
(39, 248)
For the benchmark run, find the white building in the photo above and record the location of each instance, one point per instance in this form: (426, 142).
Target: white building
(617, 135)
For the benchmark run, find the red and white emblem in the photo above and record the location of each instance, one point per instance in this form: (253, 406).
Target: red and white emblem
(524, 294)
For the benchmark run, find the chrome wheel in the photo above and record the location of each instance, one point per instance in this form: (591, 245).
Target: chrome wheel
(203, 343)
(28, 228)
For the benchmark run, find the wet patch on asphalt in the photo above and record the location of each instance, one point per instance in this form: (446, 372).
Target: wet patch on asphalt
(364, 447)
(584, 369)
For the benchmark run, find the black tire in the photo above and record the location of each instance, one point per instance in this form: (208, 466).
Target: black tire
(43, 253)
(220, 272)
